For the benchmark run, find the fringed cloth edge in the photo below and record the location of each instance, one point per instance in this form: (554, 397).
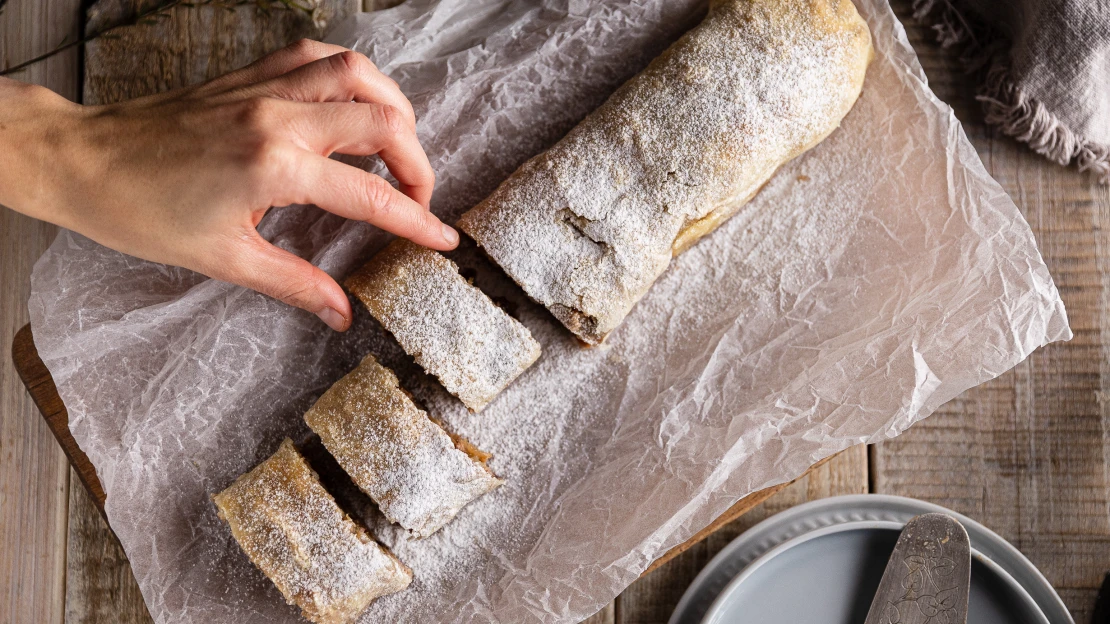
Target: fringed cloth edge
(1005, 105)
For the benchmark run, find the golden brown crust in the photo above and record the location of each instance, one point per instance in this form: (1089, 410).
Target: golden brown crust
(295, 533)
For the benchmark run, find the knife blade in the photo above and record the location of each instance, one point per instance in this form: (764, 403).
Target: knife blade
(928, 575)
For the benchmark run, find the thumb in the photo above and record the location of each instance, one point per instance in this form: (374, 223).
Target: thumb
(287, 277)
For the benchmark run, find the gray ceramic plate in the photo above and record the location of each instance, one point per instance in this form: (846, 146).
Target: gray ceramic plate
(838, 568)
(830, 576)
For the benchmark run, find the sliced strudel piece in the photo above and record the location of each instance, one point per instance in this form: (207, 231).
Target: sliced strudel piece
(292, 529)
(408, 464)
(587, 227)
(450, 327)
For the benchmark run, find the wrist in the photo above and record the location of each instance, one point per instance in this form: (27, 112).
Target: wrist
(37, 131)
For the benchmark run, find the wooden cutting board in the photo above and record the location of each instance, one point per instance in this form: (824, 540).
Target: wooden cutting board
(41, 387)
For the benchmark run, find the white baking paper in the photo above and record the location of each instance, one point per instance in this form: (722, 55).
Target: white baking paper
(873, 279)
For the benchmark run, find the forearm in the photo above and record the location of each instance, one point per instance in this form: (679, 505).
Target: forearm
(37, 133)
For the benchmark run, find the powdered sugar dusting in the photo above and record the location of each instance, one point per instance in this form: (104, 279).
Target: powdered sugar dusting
(451, 328)
(291, 528)
(389, 447)
(586, 227)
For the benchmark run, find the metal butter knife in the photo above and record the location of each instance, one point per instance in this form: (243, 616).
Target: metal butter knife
(928, 575)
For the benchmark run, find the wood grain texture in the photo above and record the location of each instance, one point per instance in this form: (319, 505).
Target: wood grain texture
(40, 386)
(33, 474)
(100, 586)
(1026, 454)
(192, 45)
(607, 615)
(652, 598)
(33, 470)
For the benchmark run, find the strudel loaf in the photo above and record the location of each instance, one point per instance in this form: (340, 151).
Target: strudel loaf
(586, 227)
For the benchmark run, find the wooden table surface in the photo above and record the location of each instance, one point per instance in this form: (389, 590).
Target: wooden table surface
(1026, 454)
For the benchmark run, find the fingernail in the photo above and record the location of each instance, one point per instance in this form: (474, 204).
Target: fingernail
(450, 235)
(334, 319)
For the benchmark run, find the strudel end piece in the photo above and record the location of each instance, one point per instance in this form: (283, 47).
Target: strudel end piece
(419, 476)
(452, 329)
(292, 529)
(587, 227)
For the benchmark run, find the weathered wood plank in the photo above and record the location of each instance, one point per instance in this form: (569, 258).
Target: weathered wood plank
(652, 598)
(40, 386)
(193, 45)
(605, 616)
(102, 587)
(1026, 453)
(33, 473)
(33, 469)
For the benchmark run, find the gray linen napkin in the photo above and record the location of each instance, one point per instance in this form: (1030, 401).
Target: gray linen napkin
(1045, 67)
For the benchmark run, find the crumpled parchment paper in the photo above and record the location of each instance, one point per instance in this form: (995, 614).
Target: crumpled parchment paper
(873, 279)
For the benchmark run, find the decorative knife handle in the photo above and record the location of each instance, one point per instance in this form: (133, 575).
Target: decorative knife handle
(928, 575)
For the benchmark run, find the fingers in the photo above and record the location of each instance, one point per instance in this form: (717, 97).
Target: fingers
(342, 77)
(276, 63)
(355, 194)
(364, 129)
(272, 271)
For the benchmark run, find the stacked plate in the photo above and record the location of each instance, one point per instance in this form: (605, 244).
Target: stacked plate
(821, 563)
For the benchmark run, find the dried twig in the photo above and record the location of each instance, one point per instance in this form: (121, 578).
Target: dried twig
(154, 15)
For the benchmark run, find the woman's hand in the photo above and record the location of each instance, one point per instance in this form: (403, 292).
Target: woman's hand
(184, 177)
